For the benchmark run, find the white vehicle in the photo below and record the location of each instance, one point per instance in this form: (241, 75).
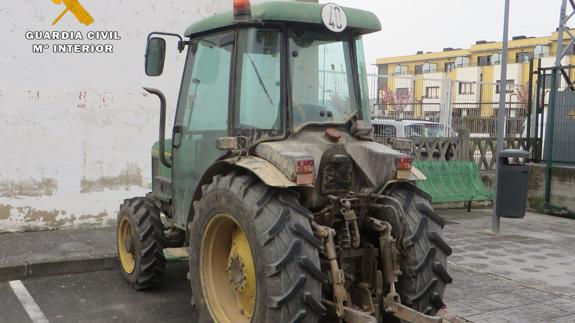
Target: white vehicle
(385, 128)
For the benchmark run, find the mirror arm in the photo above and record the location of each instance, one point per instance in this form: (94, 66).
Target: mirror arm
(181, 43)
(162, 133)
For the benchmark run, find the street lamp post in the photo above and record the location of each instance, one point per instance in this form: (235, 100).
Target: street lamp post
(495, 221)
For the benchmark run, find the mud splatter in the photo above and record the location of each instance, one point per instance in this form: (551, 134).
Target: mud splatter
(5, 211)
(99, 218)
(43, 187)
(128, 177)
(33, 215)
(66, 221)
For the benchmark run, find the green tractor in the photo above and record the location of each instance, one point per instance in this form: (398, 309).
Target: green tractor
(289, 210)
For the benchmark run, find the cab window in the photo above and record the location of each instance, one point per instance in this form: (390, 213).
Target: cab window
(205, 93)
(258, 82)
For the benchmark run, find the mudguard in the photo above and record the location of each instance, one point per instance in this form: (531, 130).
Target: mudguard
(265, 171)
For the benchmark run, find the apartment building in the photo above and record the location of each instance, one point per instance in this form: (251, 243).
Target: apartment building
(465, 81)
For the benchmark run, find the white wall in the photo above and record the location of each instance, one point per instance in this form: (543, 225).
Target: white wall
(515, 73)
(467, 74)
(76, 129)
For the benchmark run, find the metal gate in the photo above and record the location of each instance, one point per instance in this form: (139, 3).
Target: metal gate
(564, 128)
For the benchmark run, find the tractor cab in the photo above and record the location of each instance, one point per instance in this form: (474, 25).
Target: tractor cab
(258, 74)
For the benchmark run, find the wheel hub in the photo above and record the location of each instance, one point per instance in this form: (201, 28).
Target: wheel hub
(236, 274)
(241, 273)
(129, 245)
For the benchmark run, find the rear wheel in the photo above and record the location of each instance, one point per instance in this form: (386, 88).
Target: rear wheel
(140, 243)
(424, 268)
(253, 256)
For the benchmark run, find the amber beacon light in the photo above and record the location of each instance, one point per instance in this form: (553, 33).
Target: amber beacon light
(242, 9)
(77, 10)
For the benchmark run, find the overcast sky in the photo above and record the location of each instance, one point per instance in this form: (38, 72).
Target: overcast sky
(431, 25)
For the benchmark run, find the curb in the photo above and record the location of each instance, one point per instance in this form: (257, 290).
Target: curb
(53, 267)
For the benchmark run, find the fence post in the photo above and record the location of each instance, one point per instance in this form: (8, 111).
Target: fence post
(465, 145)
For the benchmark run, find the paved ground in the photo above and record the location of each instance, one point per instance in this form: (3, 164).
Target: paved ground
(33, 254)
(524, 274)
(100, 297)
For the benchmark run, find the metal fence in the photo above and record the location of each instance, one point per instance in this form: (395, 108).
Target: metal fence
(563, 129)
(451, 104)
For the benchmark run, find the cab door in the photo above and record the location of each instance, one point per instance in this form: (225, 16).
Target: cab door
(202, 116)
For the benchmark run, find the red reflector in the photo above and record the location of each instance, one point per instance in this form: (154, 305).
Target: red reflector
(304, 166)
(403, 163)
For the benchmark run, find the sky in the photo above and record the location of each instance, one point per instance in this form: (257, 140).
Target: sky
(431, 25)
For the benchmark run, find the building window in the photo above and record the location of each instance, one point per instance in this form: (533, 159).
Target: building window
(449, 66)
(418, 69)
(523, 57)
(461, 62)
(429, 68)
(402, 92)
(484, 60)
(510, 88)
(496, 59)
(432, 92)
(466, 87)
(400, 70)
(542, 51)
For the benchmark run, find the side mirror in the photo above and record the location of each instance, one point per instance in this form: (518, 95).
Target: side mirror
(155, 56)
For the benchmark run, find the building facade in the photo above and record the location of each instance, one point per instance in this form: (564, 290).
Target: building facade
(464, 82)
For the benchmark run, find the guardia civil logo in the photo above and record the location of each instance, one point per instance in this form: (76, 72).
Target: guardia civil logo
(74, 6)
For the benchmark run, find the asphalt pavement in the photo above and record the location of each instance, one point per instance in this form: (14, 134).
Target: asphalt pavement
(43, 253)
(102, 296)
(524, 274)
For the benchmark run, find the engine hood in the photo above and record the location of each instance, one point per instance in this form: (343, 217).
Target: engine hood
(376, 161)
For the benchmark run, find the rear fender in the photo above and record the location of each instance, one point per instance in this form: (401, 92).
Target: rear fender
(264, 170)
(409, 185)
(419, 176)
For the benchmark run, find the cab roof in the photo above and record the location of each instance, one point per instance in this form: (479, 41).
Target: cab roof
(363, 22)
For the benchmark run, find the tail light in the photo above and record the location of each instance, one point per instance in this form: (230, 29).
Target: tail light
(242, 9)
(403, 163)
(305, 171)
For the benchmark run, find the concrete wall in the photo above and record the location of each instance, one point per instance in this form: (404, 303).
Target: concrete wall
(562, 187)
(76, 129)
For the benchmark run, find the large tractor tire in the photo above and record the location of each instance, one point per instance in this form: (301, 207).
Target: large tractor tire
(140, 243)
(253, 256)
(424, 268)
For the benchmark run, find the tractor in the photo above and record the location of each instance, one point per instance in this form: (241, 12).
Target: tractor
(290, 212)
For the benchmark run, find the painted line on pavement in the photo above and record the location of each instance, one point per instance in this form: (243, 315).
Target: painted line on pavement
(33, 310)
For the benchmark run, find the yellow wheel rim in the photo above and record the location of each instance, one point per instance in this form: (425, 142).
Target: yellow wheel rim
(227, 271)
(126, 247)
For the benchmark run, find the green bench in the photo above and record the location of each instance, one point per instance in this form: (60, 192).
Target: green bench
(453, 181)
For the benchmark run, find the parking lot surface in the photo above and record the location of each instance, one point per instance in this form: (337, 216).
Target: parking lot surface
(101, 297)
(522, 275)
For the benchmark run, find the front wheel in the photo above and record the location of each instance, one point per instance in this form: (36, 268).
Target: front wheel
(253, 256)
(140, 243)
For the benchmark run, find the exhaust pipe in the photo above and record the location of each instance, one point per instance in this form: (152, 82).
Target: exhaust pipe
(162, 133)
